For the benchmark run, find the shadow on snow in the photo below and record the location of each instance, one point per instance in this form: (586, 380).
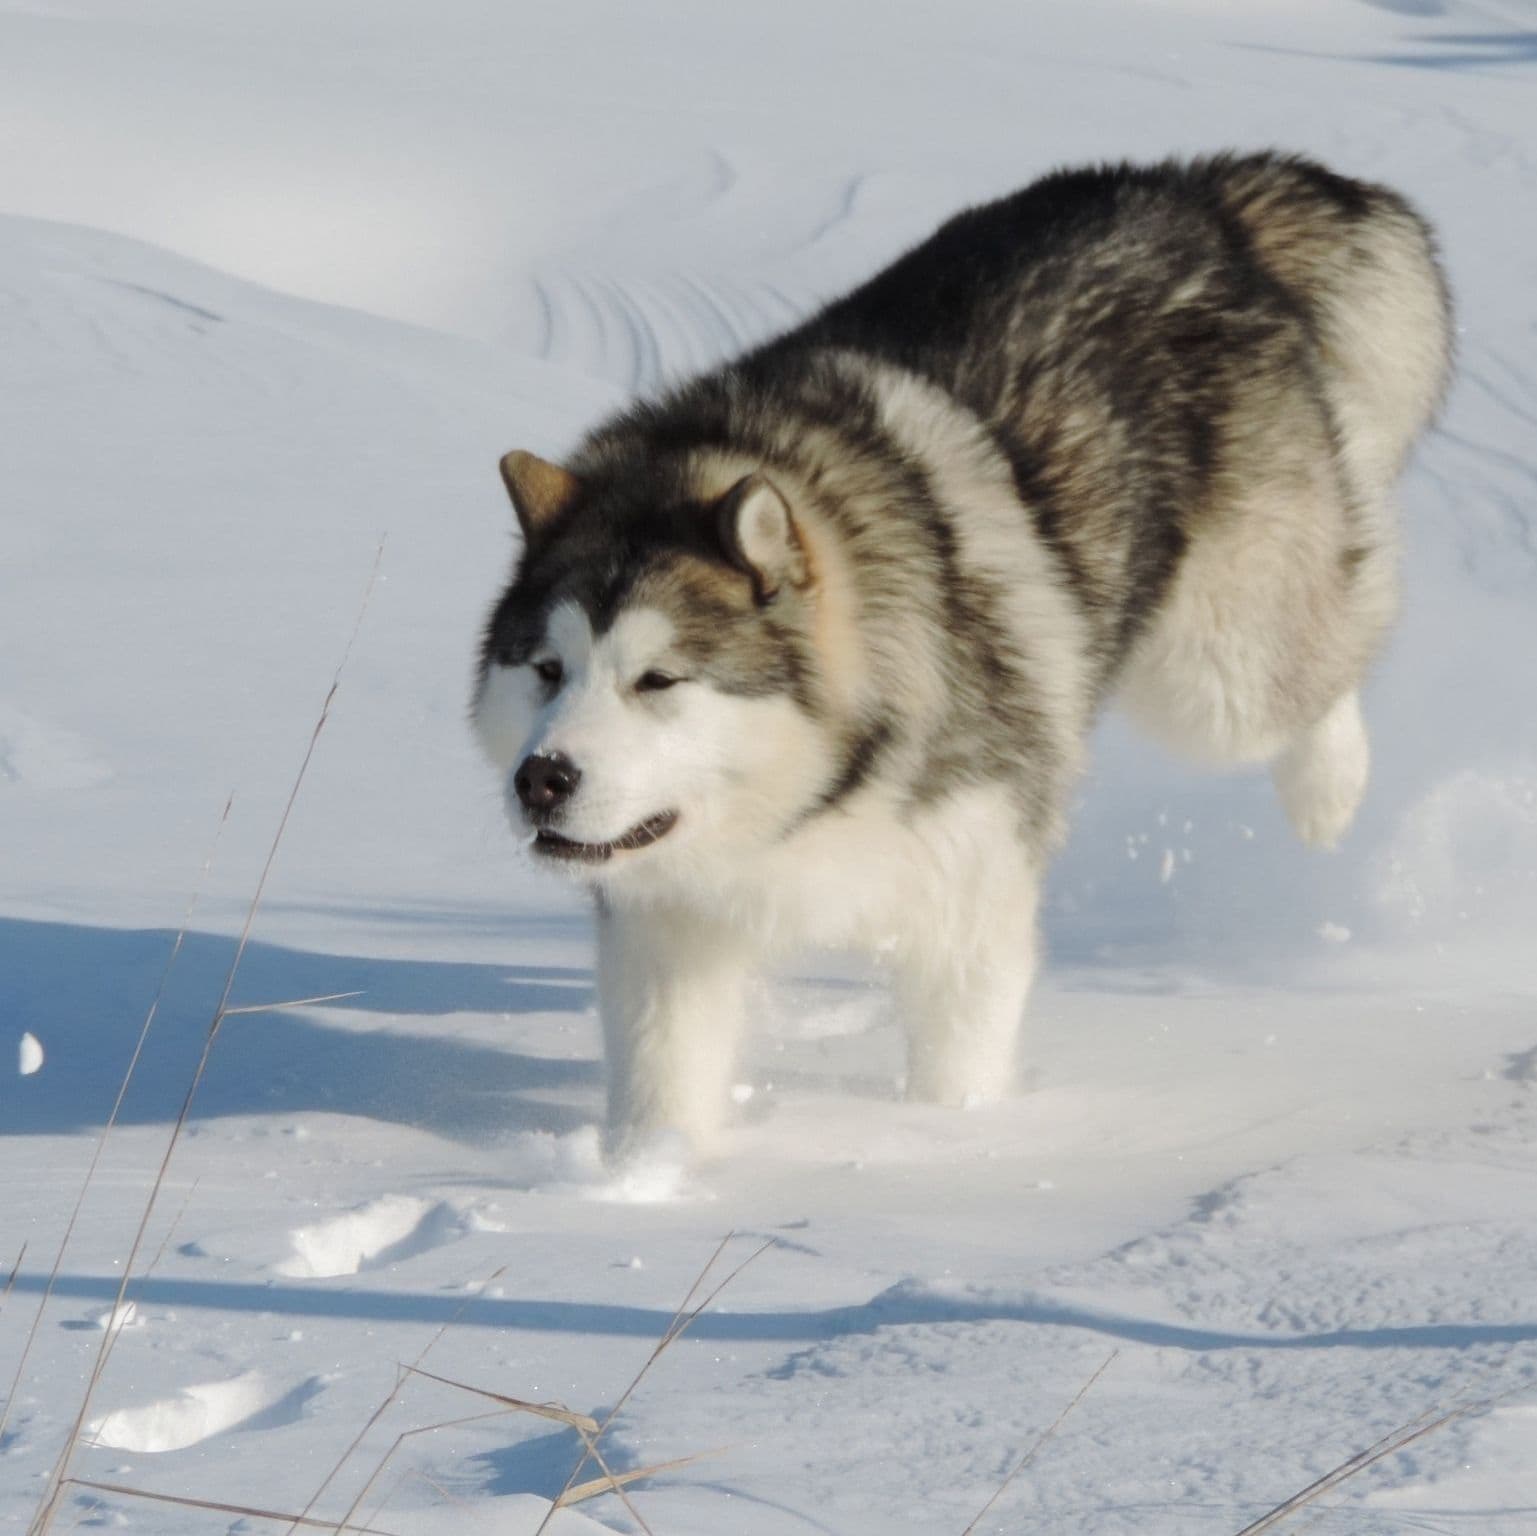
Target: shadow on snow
(901, 1306)
(1433, 50)
(83, 992)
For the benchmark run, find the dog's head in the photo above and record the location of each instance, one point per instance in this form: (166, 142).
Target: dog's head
(650, 683)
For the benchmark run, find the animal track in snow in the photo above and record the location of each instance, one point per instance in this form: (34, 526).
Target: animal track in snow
(376, 1235)
(200, 1412)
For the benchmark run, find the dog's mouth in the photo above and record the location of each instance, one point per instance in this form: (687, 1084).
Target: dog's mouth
(553, 846)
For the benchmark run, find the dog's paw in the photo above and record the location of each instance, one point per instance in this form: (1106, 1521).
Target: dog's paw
(956, 1082)
(647, 1166)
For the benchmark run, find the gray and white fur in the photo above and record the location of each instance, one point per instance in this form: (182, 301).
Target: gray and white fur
(805, 651)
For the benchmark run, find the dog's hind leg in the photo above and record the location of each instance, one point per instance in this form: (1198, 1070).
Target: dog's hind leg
(670, 991)
(1321, 775)
(962, 981)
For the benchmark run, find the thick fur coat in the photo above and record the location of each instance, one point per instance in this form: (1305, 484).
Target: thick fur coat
(805, 650)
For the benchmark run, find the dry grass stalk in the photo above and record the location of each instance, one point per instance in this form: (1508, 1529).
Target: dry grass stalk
(388, 1495)
(218, 1506)
(1405, 1435)
(590, 1430)
(292, 1002)
(10, 1283)
(170, 1231)
(447, 1495)
(1046, 1434)
(345, 1524)
(47, 1504)
(111, 1122)
(607, 1479)
(388, 1400)
(611, 1481)
(682, 1319)
(586, 1427)
(341, 1461)
(577, 1421)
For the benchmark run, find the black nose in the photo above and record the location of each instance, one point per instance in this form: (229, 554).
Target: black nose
(543, 783)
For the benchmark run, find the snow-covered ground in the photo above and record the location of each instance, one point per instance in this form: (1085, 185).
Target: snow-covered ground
(281, 277)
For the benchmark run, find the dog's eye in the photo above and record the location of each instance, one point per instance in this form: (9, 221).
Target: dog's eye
(654, 682)
(549, 670)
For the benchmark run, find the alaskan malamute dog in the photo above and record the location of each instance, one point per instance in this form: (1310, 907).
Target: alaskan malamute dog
(804, 651)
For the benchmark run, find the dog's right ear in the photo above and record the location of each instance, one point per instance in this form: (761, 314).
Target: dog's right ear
(541, 492)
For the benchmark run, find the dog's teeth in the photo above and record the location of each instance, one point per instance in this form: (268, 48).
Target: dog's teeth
(531, 839)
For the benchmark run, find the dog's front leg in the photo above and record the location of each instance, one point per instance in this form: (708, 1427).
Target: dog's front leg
(670, 991)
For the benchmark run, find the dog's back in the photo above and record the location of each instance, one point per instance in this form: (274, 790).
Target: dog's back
(1134, 335)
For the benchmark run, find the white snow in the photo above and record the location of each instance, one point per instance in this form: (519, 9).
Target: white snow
(116, 1318)
(379, 1234)
(197, 1413)
(280, 279)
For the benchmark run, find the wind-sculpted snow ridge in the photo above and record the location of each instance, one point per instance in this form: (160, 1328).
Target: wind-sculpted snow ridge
(645, 333)
(200, 1412)
(381, 1234)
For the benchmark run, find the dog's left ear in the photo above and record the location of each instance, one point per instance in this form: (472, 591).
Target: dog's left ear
(760, 537)
(540, 491)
